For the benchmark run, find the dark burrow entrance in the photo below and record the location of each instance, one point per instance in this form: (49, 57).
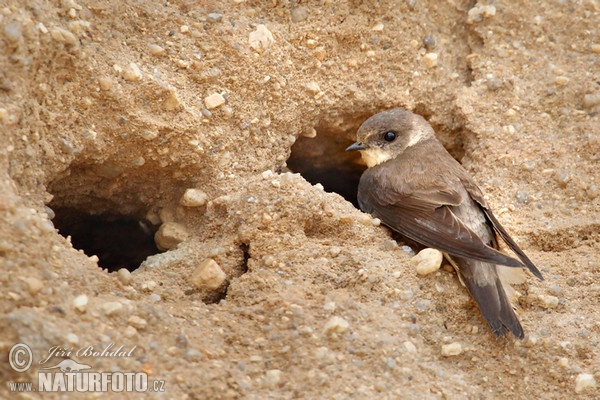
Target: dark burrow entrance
(119, 241)
(323, 160)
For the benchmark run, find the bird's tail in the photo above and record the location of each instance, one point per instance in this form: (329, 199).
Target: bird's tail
(485, 286)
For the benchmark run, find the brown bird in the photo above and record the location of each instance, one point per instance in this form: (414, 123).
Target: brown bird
(414, 186)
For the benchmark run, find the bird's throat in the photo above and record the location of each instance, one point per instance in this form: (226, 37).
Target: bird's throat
(375, 156)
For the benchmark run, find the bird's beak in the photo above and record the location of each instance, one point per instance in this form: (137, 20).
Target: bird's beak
(356, 146)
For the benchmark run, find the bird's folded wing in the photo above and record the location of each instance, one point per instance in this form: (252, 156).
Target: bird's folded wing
(427, 219)
(476, 195)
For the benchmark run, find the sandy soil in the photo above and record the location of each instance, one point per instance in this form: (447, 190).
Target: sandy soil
(110, 111)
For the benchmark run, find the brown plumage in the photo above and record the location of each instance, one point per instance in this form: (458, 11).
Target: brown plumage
(416, 188)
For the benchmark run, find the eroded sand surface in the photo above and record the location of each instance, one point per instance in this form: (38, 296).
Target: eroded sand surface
(110, 110)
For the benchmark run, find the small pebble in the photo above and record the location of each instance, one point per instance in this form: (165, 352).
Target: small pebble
(34, 285)
(172, 101)
(299, 14)
(427, 261)
(192, 355)
(156, 50)
(261, 39)
(63, 36)
(13, 32)
(137, 322)
(214, 17)
(523, 197)
(591, 100)
(423, 306)
(112, 308)
(555, 290)
(410, 347)
(429, 42)
(378, 27)
(312, 87)
(561, 80)
(272, 377)
(494, 84)
(193, 198)
(335, 325)
(408, 250)
(214, 100)
(124, 276)
(389, 245)
(132, 73)
(80, 303)
(130, 332)
(105, 83)
(169, 235)
(452, 349)
(548, 301)
(595, 48)
(72, 338)
(154, 298)
(430, 60)
(584, 382)
(208, 275)
(563, 362)
(479, 13)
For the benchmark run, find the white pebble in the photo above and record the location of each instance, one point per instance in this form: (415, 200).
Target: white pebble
(548, 301)
(105, 82)
(34, 285)
(479, 13)
(208, 275)
(261, 39)
(452, 349)
(72, 338)
(112, 308)
(427, 261)
(272, 377)
(563, 362)
(583, 382)
(169, 235)
(156, 50)
(124, 276)
(410, 347)
(336, 325)
(312, 87)
(137, 322)
(430, 60)
(132, 73)
(193, 198)
(378, 27)
(214, 100)
(63, 36)
(80, 303)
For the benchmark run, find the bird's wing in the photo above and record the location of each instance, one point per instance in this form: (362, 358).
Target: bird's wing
(425, 217)
(476, 195)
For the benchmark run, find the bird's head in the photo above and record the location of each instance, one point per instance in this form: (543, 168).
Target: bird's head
(384, 136)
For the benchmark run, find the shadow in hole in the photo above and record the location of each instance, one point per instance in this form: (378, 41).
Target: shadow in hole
(323, 160)
(119, 241)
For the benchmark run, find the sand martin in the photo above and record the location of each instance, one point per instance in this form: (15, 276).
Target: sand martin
(414, 186)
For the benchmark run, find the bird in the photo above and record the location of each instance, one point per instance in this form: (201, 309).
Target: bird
(416, 188)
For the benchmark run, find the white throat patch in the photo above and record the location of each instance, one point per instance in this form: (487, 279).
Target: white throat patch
(375, 156)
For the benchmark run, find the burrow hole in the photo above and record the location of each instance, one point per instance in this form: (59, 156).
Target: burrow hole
(110, 224)
(118, 240)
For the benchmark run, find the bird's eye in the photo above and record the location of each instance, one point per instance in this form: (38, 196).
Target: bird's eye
(389, 136)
